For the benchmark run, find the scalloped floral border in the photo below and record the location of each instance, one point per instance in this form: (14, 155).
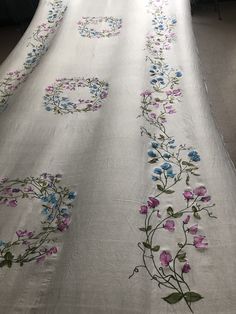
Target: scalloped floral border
(172, 163)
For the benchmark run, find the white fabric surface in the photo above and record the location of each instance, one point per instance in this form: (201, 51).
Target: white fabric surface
(102, 157)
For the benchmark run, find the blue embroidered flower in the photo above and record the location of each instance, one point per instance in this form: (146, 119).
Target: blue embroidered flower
(167, 156)
(154, 178)
(157, 170)
(170, 173)
(178, 74)
(194, 156)
(72, 195)
(166, 166)
(151, 153)
(52, 198)
(44, 199)
(154, 144)
(2, 243)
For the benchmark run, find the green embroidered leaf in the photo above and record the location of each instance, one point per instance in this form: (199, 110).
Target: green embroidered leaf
(160, 188)
(187, 179)
(147, 245)
(177, 215)
(153, 161)
(8, 256)
(185, 163)
(142, 229)
(194, 209)
(169, 191)
(196, 174)
(192, 296)
(170, 211)
(181, 257)
(173, 298)
(146, 229)
(196, 215)
(156, 248)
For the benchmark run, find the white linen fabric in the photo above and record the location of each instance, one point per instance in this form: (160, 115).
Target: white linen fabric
(98, 50)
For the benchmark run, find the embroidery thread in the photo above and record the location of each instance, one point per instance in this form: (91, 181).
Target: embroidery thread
(172, 163)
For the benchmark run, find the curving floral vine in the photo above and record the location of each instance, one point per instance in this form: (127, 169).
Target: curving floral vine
(113, 29)
(56, 203)
(173, 163)
(58, 101)
(39, 43)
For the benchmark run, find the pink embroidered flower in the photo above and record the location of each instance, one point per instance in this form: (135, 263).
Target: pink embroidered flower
(193, 229)
(165, 258)
(146, 93)
(188, 195)
(200, 191)
(177, 92)
(64, 224)
(186, 220)
(169, 225)
(198, 242)
(152, 115)
(186, 268)
(143, 209)
(206, 199)
(12, 203)
(153, 202)
(52, 250)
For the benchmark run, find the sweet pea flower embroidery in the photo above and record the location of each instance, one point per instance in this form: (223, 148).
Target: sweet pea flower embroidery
(56, 201)
(165, 258)
(174, 167)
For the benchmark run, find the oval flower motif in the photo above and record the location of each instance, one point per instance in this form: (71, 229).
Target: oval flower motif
(57, 97)
(86, 26)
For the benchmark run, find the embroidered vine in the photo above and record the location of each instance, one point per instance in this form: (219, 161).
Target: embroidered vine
(172, 163)
(57, 100)
(113, 29)
(38, 43)
(56, 203)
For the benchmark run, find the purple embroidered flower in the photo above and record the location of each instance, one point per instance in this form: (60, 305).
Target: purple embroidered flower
(186, 220)
(193, 229)
(198, 242)
(146, 93)
(63, 224)
(12, 203)
(206, 199)
(200, 191)
(169, 225)
(188, 195)
(165, 258)
(52, 250)
(153, 202)
(143, 209)
(186, 268)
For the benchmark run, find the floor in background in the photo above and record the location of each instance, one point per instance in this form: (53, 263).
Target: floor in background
(216, 41)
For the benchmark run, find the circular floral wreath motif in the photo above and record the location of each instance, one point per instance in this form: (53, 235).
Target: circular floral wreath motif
(57, 101)
(31, 245)
(114, 26)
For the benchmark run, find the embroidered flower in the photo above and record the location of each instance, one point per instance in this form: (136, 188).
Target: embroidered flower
(153, 202)
(186, 268)
(186, 220)
(165, 258)
(200, 191)
(143, 209)
(188, 195)
(169, 225)
(198, 242)
(193, 229)
(194, 156)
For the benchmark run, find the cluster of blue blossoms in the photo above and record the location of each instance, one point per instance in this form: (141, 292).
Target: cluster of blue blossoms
(165, 168)
(194, 156)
